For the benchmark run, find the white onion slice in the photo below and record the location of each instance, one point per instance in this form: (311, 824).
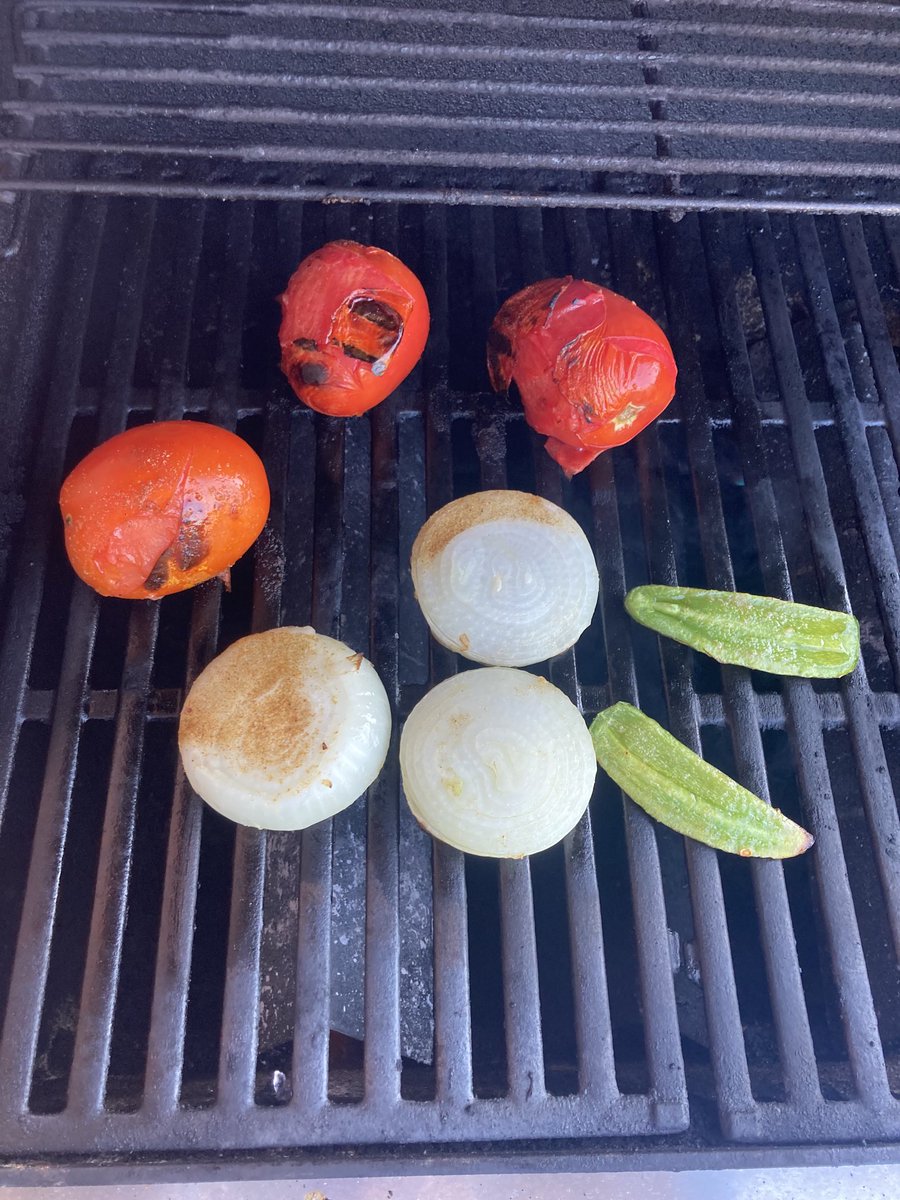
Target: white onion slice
(504, 578)
(497, 762)
(284, 728)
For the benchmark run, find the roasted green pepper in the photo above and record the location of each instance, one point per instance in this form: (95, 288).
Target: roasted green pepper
(751, 631)
(678, 788)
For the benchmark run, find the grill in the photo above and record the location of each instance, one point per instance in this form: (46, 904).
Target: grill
(174, 987)
(665, 103)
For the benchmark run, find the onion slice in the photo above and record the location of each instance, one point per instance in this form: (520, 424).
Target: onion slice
(504, 578)
(284, 729)
(497, 762)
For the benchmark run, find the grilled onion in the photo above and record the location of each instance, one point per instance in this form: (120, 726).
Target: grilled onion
(504, 578)
(497, 762)
(284, 728)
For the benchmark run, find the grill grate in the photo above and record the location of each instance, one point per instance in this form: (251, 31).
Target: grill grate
(176, 984)
(689, 105)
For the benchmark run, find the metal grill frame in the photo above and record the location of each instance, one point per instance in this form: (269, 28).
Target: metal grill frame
(293, 444)
(809, 78)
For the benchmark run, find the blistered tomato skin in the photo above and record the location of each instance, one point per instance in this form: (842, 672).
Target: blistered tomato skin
(163, 507)
(591, 367)
(354, 324)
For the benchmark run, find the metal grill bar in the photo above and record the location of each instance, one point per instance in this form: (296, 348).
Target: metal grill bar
(237, 1067)
(314, 948)
(771, 411)
(337, 449)
(454, 195)
(883, 363)
(522, 1006)
(796, 1052)
(281, 868)
(875, 780)
(728, 1053)
(892, 233)
(313, 974)
(872, 518)
(90, 1059)
(452, 1012)
(885, 10)
(781, 168)
(242, 43)
(861, 1027)
(657, 992)
(274, 116)
(816, 6)
(37, 314)
(647, 90)
(163, 703)
(237, 1062)
(499, 20)
(593, 1022)
(382, 1064)
(32, 959)
(29, 973)
(452, 1026)
(165, 1040)
(872, 319)
(22, 618)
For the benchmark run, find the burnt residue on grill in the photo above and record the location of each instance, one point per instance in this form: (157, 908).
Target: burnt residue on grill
(353, 986)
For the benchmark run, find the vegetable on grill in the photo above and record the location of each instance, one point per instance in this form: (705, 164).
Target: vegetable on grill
(354, 324)
(691, 796)
(497, 762)
(504, 577)
(591, 367)
(162, 507)
(751, 631)
(284, 728)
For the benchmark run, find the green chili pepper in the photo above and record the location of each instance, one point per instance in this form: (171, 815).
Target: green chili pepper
(752, 631)
(678, 788)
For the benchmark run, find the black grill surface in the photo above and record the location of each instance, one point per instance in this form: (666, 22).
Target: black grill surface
(670, 103)
(172, 984)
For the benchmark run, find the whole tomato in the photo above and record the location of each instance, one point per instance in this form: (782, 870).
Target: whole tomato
(591, 367)
(354, 324)
(161, 507)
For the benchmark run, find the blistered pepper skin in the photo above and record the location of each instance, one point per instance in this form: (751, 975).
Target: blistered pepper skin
(679, 789)
(751, 631)
(591, 367)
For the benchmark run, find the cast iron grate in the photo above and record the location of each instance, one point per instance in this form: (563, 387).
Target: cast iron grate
(700, 104)
(171, 984)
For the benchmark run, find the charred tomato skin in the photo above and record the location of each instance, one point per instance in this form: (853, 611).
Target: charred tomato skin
(354, 324)
(592, 368)
(162, 507)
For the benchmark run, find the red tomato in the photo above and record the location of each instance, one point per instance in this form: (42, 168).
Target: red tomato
(162, 507)
(354, 324)
(591, 367)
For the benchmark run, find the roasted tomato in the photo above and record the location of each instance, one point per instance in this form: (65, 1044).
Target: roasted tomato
(354, 324)
(591, 367)
(162, 507)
